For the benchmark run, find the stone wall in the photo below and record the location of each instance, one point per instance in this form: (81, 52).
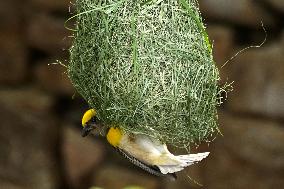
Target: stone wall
(40, 142)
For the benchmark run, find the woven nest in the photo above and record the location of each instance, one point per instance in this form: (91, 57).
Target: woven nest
(147, 67)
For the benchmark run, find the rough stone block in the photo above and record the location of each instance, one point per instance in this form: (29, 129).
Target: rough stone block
(47, 33)
(258, 76)
(51, 5)
(11, 15)
(27, 99)
(28, 145)
(53, 78)
(250, 155)
(81, 155)
(13, 58)
(242, 12)
(277, 4)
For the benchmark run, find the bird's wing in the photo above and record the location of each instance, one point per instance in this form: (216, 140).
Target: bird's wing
(150, 169)
(152, 152)
(148, 150)
(151, 145)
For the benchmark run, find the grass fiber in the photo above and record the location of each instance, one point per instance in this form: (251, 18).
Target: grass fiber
(147, 67)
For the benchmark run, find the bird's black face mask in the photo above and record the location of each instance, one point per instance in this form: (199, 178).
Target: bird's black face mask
(88, 128)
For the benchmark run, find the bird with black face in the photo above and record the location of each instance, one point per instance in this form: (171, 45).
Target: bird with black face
(143, 151)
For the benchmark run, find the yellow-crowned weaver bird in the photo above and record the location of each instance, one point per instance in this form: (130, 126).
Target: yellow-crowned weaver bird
(143, 151)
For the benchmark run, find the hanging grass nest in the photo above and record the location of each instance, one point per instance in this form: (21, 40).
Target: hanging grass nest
(147, 67)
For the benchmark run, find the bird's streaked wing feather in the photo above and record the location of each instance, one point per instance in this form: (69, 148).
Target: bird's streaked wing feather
(151, 169)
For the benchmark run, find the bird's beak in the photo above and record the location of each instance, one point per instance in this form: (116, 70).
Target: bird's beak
(87, 129)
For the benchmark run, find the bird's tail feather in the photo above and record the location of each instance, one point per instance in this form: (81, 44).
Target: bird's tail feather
(192, 158)
(185, 160)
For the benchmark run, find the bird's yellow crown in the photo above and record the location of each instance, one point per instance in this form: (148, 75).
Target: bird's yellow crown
(88, 115)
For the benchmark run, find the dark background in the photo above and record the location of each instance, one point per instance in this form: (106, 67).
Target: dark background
(40, 142)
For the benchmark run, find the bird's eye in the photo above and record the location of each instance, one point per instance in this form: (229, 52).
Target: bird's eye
(94, 119)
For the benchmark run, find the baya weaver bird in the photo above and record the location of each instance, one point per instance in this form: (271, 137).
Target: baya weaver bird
(143, 151)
